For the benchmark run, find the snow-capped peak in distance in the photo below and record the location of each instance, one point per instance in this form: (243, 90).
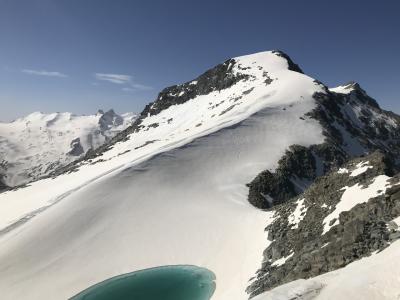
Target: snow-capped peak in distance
(35, 145)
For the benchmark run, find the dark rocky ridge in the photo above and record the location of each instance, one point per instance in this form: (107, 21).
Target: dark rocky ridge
(269, 189)
(76, 147)
(218, 78)
(364, 229)
(353, 124)
(291, 65)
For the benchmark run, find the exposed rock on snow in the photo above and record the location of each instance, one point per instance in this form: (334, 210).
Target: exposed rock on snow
(353, 125)
(371, 278)
(76, 148)
(344, 219)
(223, 76)
(281, 184)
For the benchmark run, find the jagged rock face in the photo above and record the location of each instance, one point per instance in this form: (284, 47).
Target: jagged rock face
(76, 148)
(110, 119)
(355, 122)
(295, 171)
(324, 228)
(353, 125)
(291, 65)
(218, 78)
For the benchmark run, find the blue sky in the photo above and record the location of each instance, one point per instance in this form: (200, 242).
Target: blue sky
(81, 55)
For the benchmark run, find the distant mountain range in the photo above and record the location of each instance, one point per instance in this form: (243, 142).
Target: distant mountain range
(282, 187)
(35, 145)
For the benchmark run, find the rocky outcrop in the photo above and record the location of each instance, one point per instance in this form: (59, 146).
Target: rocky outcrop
(305, 241)
(291, 65)
(353, 124)
(76, 148)
(295, 170)
(218, 78)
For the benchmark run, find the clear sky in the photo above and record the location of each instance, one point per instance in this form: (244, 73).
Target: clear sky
(81, 55)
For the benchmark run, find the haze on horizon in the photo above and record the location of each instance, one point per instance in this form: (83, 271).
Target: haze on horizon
(81, 56)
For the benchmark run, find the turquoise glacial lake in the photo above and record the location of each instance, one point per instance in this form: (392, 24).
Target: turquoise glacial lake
(181, 282)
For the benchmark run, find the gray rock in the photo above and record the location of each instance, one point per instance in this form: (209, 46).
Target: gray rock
(334, 113)
(76, 147)
(218, 78)
(361, 231)
(109, 119)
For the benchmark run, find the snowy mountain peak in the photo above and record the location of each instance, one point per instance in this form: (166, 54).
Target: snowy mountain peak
(197, 146)
(252, 129)
(269, 60)
(223, 76)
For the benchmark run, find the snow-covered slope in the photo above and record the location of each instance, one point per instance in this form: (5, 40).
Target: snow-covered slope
(185, 206)
(38, 143)
(171, 188)
(373, 278)
(345, 216)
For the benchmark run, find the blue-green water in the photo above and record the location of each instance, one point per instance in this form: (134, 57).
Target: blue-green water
(163, 283)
